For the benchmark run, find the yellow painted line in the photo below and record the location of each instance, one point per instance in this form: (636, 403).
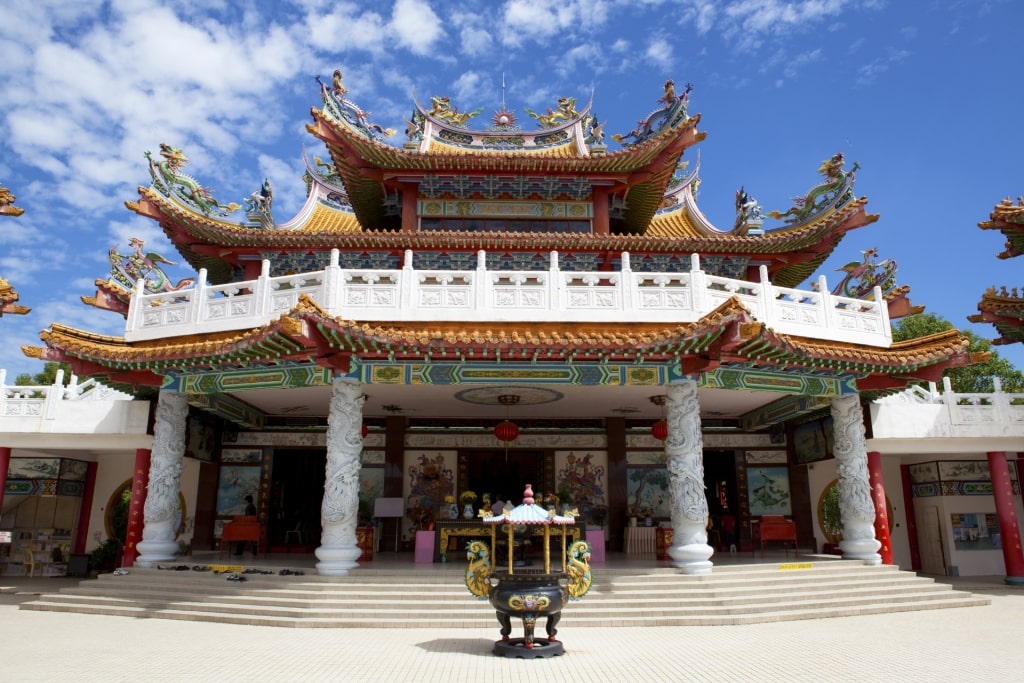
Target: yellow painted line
(797, 565)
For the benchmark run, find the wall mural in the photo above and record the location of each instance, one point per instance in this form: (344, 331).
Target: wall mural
(583, 478)
(430, 480)
(236, 482)
(647, 491)
(814, 441)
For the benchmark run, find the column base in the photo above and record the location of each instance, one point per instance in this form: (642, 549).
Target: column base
(1014, 580)
(337, 561)
(692, 559)
(864, 550)
(151, 552)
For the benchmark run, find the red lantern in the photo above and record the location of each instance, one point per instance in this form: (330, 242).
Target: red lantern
(506, 431)
(366, 430)
(659, 430)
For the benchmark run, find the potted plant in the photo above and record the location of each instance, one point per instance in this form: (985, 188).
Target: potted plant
(106, 556)
(831, 520)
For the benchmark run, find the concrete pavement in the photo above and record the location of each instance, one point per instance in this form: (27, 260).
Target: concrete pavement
(962, 644)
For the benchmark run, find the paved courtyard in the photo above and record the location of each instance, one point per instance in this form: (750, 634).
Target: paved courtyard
(964, 644)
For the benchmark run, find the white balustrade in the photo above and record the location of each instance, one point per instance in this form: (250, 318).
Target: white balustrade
(481, 295)
(41, 401)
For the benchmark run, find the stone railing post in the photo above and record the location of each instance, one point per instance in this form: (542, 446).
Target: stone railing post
(698, 285)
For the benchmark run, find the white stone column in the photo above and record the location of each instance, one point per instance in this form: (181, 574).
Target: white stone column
(160, 513)
(685, 449)
(855, 506)
(338, 551)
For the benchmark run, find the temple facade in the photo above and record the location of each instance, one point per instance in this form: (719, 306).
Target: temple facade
(495, 302)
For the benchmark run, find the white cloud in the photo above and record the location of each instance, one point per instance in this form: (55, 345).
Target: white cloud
(468, 88)
(659, 51)
(540, 21)
(416, 26)
(475, 41)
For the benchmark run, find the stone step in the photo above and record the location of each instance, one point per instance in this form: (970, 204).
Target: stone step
(486, 620)
(443, 595)
(438, 599)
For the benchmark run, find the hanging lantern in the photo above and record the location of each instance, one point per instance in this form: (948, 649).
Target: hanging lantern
(659, 430)
(506, 431)
(365, 431)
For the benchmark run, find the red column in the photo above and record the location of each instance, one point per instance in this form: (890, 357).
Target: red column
(881, 512)
(1006, 513)
(85, 509)
(5, 462)
(602, 224)
(410, 217)
(140, 479)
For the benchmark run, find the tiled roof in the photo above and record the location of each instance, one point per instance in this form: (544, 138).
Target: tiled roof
(308, 334)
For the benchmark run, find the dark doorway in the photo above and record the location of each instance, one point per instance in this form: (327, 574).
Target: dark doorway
(296, 493)
(721, 490)
(506, 476)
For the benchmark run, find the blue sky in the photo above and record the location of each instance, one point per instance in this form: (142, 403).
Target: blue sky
(925, 95)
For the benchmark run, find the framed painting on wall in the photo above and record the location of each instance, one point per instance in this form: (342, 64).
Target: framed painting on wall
(768, 491)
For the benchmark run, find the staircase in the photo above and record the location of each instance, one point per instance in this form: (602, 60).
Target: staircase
(409, 598)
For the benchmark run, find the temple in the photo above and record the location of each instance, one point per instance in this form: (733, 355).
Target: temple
(495, 301)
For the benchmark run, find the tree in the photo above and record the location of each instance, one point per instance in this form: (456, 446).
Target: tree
(44, 378)
(973, 379)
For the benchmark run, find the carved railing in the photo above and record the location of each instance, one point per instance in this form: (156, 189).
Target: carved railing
(41, 401)
(482, 295)
(997, 409)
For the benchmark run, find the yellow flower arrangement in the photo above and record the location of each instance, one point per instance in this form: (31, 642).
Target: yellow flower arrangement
(449, 499)
(467, 497)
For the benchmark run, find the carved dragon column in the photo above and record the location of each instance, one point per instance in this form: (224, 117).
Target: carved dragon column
(685, 449)
(338, 551)
(160, 514)
(855, 505)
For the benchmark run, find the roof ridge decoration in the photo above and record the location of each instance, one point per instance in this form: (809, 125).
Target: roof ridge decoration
(836, 191)
(338, 107)
(749, 214)
(558, 128)
(7, 207)
(669, 115)
(169, 181)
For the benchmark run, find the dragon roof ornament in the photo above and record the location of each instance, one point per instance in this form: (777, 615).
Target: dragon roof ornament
(340, 108)
(170, 181)
(670, 114)
(833, 193)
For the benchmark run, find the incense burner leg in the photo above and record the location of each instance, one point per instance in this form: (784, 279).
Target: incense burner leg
(506, 624)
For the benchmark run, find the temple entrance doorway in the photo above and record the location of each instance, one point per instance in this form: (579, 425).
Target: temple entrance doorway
(494, 472)
(721, 490)
(296, 494)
